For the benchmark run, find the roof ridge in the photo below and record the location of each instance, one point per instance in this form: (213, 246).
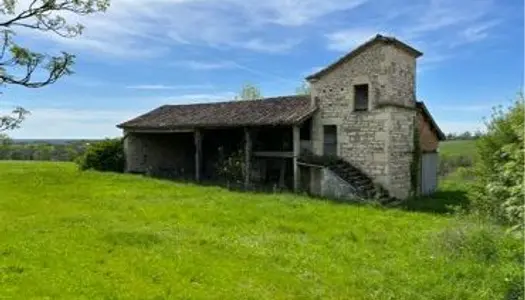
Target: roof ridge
(361, 47)
(281, 110)
(275, 98)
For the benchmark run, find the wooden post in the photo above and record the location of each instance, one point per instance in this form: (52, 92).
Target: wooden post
(198, 154)
(296, 152)
(247, 157)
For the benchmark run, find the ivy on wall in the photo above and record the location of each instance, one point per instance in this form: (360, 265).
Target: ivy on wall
(416, 160)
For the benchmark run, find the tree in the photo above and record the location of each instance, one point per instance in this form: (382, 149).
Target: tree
(19, 65)
(4, 139)
(304, 89)
(465, 135)
(500, 166)
(249, 92)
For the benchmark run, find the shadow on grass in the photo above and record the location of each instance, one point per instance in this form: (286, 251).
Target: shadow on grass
(441, 202)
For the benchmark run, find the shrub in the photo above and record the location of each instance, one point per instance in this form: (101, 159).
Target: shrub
(450, 163)
(500, 167)
(231, 167)
(107, 155)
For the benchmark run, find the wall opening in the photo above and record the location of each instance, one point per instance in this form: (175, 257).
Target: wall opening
(361, 97)
(330, 140)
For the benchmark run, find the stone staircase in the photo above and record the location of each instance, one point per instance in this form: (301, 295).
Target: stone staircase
(363, 185)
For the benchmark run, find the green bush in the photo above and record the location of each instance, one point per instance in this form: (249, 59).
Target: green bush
(500, 167)
(450, 163)
(231, 167)
(107, 155)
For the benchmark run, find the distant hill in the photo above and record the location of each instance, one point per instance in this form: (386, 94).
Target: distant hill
(51, 141)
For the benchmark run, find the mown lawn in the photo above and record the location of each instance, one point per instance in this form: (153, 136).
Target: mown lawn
(457, 147)
(72, 235)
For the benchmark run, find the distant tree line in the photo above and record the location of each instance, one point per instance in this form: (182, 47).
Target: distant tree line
(42, 151)
(467, 135)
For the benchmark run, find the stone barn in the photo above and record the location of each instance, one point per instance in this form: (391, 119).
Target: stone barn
(359, 134)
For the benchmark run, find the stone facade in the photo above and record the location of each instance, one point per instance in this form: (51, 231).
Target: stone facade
(334, 187)
(380, 140)
(147, 152)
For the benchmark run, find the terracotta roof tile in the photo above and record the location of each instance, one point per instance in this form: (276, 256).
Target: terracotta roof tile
(285, 110)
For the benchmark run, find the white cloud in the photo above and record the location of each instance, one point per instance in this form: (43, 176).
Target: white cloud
(312, 70)
(294, 13)
(436, 27)
(270, 47)
(346, 40)
(133, 28)
(216, 65)
(197, 98)
(468, 108)
(205, 65)
(65, 123)
(168, 87)
(477, 32)
(8, 104)
(459, 126)
(51, 123)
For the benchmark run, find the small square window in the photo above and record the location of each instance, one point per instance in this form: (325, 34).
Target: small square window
(361, 97)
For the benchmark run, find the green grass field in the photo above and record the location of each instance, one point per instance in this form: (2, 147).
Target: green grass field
(73, 235)
(457, 147)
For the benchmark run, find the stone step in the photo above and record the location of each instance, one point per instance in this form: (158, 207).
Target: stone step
(349, 173)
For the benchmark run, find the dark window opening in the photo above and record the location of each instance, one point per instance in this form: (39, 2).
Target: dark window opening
(361, 97)
(330, 140)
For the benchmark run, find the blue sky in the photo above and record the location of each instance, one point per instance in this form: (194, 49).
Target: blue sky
(142, 54)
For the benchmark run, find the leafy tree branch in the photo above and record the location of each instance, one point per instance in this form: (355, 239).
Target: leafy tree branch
(20, 65)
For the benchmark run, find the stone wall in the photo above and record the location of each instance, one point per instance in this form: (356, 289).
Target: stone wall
(428, 139)
(400, 151)
(378, 141)
(334, 187)
(156, 152)
(400, 83)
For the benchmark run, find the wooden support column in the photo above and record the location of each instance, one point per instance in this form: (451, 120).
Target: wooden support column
(198, 154)
(296, 152)
(247, 156)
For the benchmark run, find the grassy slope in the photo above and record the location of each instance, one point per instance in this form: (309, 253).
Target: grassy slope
(459, 147)
(74, 235)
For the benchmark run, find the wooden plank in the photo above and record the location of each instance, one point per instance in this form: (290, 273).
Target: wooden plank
(296, 152)
(247, 157)
(284, 154)
(198, 154)
(310, 165)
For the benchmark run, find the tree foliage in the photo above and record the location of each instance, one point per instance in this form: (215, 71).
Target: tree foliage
(467, 135)
(249, 92)
(231, 167)
(304, 89)
(22, 66)
(107, 155)
(500, 166)
(16, 150)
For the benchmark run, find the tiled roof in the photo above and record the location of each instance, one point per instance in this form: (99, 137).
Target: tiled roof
(285, 110)
(378, 38)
